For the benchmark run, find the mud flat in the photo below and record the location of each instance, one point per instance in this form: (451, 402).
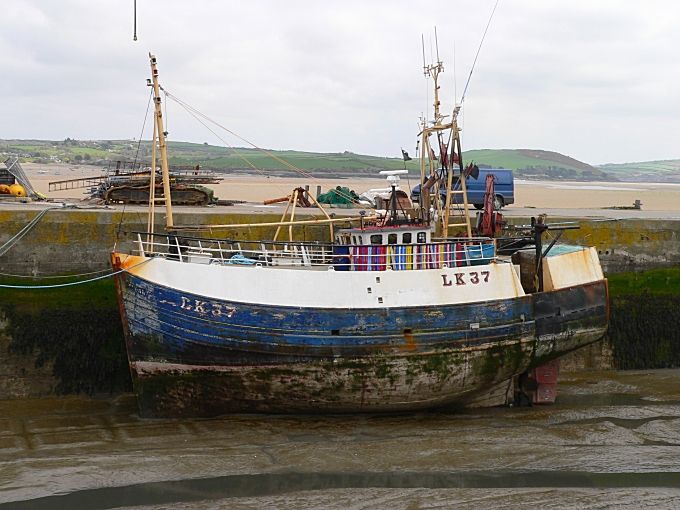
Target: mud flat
(610, 441)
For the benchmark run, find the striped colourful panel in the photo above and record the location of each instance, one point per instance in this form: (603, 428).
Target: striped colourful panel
(419, 256)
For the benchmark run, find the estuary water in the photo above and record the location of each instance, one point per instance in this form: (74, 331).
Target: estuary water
(611, 441)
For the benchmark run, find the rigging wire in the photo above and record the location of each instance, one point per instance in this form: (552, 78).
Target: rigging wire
(233, 149)
(195, 112)
(264, 151)
(198, 119)
(134, 164)
(478, 50)
(166, 114)
(141, 135)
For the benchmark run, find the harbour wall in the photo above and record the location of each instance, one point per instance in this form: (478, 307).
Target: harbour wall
(69, 339)
(70, 241)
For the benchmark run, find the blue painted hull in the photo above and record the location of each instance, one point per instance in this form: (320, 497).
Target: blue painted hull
(195, 356)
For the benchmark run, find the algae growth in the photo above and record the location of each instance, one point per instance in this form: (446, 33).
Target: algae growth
(76, 329)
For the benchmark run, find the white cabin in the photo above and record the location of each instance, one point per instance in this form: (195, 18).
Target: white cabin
(384, 236)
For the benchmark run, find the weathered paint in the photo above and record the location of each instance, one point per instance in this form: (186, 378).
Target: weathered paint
(196, 355)
(185, 320)
(324, 288)
(569, 318)
(571, 269)
(347, 385)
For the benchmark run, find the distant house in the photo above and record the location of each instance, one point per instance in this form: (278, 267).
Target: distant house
(5, 176)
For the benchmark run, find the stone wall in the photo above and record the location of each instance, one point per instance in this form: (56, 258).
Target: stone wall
(71, 241)
(627, 245)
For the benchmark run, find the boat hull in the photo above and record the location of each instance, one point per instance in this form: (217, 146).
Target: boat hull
(196, 356)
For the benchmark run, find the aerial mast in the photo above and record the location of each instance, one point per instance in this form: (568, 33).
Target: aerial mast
(448, 153)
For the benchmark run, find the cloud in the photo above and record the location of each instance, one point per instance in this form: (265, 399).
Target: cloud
(595, 80)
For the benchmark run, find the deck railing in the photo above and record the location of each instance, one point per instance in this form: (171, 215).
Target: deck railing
(397, 257)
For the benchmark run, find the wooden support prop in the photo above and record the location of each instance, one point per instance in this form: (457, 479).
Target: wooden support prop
(276, 200)
(283, 217)
(320, 221)
(293, 201)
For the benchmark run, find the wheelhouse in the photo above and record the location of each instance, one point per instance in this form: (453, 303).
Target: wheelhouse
(383, 236)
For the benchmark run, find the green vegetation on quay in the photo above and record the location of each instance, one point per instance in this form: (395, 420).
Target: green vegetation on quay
(76, 329)
(644, 327)
(655, 282)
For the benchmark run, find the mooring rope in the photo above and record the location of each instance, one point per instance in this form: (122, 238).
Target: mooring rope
(27, 228)
(47, 277)
(71, 284)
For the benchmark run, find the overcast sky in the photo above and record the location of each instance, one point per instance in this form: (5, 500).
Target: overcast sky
(598, 80)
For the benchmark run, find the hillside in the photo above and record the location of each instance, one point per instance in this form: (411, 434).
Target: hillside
(239, 160)
(653, 171)
(537, 164)
(530, 164)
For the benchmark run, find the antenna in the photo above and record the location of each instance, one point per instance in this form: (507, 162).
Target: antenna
(436, 43)
(134, 33)
(455, 82)
(422, 40)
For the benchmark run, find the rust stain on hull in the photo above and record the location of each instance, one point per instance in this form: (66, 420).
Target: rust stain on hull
(346, 360)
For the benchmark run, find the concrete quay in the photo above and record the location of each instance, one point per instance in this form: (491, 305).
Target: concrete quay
(62, 341)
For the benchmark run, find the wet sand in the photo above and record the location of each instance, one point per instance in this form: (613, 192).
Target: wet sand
(610, 441)
(528, 194)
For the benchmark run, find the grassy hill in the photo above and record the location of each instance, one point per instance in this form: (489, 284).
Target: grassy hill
(537, 164)
(653, 171)
(102, 152)
(526, 163)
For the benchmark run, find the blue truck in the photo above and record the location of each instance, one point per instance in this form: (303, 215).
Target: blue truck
(504, 189)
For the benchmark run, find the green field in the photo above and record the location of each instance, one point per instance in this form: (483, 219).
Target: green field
(664, 170)
(102, 152)
(526, 163)
(541, 164)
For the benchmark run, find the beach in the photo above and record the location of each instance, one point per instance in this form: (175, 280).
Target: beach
(528, 194)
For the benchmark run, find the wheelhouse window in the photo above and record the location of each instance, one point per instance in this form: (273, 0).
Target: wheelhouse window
(406, 238)
(376, 239)
(422, 237)
(392, 239)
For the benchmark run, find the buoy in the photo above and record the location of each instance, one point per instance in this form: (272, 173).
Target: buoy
(4, 189)
(17, 190)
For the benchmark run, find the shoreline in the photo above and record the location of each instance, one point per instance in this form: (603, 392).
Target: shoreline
(574, 195)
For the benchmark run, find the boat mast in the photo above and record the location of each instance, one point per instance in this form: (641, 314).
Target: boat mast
(447, 157)
(158, 115)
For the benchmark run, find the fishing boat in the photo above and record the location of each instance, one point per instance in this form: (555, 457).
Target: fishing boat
(402, 310)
